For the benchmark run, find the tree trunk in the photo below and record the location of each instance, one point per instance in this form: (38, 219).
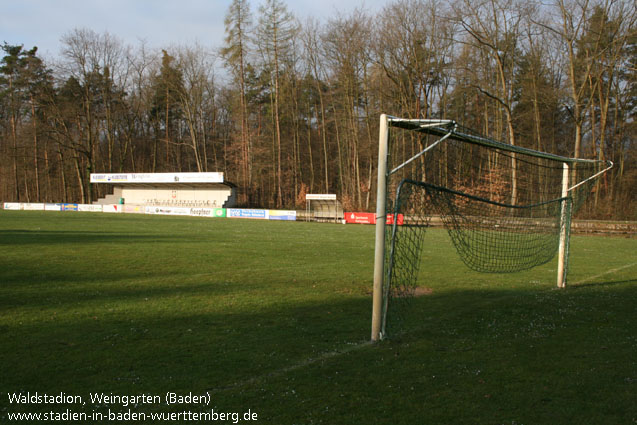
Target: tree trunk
(14, 139)
(36, 170)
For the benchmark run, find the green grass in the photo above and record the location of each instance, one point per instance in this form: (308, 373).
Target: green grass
(274, 317)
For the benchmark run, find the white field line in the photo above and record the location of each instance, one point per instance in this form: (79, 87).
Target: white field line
(299, 365)
(588, 279)
(356, 346)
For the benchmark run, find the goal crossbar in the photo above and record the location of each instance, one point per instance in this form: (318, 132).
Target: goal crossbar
(454, 131)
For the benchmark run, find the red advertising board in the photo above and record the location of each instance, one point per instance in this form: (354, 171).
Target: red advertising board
(370, 218)
(360, 218)
(400, 219)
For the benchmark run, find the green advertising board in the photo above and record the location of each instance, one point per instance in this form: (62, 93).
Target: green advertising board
(219, 212)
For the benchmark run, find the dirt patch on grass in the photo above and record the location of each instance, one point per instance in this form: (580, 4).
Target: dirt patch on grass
(421, 291)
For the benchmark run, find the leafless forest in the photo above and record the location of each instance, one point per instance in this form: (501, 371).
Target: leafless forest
(288, 106)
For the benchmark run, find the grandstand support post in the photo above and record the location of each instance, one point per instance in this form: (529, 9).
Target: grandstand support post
(379, 249)
(564, 230)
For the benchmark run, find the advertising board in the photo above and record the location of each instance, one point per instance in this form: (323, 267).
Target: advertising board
(112, 208)
(168, 210)
(370, 218)
(89, 207)
(201, 212)
(282, 215)
(390, 219)
(360, 218)
(208, 212)
(218, 212)
(320, 197)
(52, 207)
(213, 177)
(12, 206)
(246, 213)
(133, 209)
(33, 207)
(69, 207)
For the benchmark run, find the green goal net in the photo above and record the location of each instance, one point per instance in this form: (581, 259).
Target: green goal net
(506, 208)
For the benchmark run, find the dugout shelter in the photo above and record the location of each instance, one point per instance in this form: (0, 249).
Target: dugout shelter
(323, 207)
(168, 189)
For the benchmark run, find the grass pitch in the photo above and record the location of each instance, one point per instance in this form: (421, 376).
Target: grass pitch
(274, 317)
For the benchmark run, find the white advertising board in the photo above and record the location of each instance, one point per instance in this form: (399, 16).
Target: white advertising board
(208, 212)
(89, 207)
(320, 197)
(158, 178)
(168, 210)
(201, 212)
(52, 207)
(33, 207)
(12, 206)
(112, 208)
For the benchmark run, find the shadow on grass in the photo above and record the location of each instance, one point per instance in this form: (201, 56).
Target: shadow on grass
(607, 283)
(46, 237)
(70, 296)
(488, 352)
(170, 345)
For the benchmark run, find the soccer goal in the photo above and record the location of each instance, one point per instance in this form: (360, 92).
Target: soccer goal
(506, 208)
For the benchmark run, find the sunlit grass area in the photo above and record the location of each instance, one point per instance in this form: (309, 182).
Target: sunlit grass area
(274, 317)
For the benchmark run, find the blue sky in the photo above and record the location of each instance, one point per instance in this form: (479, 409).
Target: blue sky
(159, 22)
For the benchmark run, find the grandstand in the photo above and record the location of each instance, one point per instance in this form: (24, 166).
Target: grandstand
(168, 189)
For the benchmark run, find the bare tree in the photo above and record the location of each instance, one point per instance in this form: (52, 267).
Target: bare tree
(238, 26)
(495, 27)
(197, 66)
(92, 60)
(311, 38)
(347, 46)
(571, 25)
(276, 29)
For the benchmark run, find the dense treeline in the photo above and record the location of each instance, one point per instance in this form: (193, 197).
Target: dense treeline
(288, 107)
